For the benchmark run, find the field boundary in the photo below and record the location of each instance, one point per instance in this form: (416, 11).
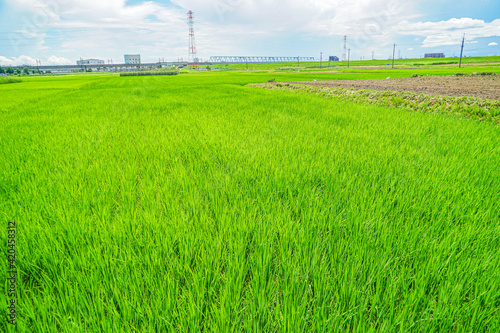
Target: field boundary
(466, 107)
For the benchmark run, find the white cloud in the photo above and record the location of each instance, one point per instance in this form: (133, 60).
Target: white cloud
(313, 15)
(222, 26)
(59, 61)
(109, 28)
(492, 44)
(26, 60)
(93, 26)
(450, 32)
(364, 21)
(22, 60)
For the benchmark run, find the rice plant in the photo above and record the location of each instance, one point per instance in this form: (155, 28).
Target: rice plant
(196, 203)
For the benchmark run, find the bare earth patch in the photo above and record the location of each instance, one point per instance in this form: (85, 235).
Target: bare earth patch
(487, 87)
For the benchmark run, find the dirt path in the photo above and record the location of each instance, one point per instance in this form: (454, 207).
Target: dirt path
(476, 86)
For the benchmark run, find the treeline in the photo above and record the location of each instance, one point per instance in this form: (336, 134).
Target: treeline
(18, 71)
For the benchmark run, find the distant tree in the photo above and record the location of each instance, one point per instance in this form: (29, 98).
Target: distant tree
(26, 70)
(18, 71)
(89, 70)
(2, 71)
(48, 72)
(9, 70)
(35, 71)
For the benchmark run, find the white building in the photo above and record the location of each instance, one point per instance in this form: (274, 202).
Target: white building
(90, 62)
(132, 59)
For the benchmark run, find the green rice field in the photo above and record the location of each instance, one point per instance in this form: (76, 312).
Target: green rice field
(196, 203)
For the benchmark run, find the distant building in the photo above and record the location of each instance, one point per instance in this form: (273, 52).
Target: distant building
(132, 59)
(333, 58)
(90, 62)
(434, 55)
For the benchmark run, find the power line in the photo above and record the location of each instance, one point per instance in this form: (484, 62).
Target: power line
(66, 35)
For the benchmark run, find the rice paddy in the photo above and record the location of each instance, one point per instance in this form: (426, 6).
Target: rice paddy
(191, 203)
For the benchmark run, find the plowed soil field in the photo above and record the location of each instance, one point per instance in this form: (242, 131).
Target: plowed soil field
(476, 86)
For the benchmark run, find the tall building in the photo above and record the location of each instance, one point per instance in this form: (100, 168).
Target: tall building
(132, 59)
(90, 62)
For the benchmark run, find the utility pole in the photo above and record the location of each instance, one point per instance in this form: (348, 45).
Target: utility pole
(461, 52)
(320, 60)
(345, 49)
(348, 57)
(393, 54)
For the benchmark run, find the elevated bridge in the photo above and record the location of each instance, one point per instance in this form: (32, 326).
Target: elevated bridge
(215, 60)
(243, 60)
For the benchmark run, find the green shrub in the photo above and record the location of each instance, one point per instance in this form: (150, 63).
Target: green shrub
(4, 80)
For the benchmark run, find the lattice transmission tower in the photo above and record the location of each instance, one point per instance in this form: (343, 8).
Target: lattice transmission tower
(192, 58)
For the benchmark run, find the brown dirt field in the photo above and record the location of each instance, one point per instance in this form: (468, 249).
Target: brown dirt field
(487, 87)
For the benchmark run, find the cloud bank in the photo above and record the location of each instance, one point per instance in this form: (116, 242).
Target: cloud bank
(59, 30)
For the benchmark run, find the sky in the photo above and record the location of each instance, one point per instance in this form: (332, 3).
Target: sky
(63, 31)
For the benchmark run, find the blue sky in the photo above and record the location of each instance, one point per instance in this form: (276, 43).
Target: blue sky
(62, 31)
